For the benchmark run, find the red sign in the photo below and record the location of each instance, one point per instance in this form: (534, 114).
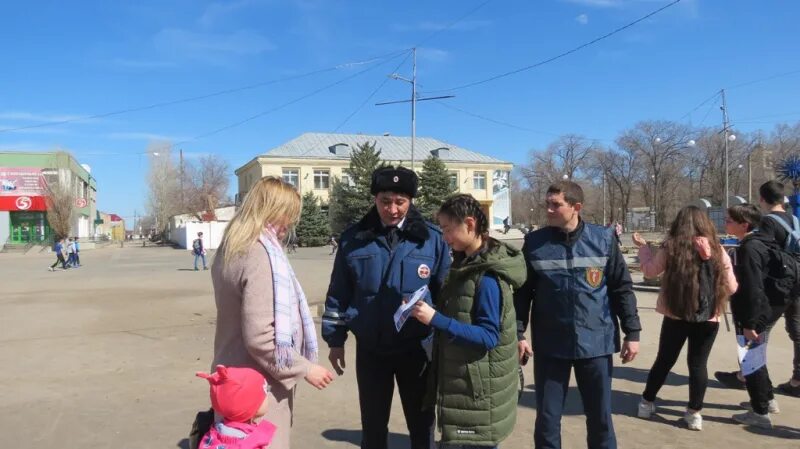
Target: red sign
(80, 202)
(15, 203)
(22, 181)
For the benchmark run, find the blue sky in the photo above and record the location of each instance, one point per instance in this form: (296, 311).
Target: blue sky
(65, 61)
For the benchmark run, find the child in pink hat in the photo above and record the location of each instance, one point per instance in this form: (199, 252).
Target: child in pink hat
(239, 396)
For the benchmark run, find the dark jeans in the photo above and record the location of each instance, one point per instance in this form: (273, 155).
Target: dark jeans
(758, 383)
(60, 259)
(792, 317)
(674, 334)
(376, 375)
(593, 376)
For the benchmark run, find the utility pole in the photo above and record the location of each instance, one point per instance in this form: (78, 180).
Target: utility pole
(413, 101)
(725, 135)
(604, 198)
(183, 202)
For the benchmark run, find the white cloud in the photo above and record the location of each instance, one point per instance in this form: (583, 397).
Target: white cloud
(212, 48)
(143, 63)
(583, 19)
(144, 136)
(433, 54)
(36, 117)
(218, 10)
(428, 25)
(598, 3)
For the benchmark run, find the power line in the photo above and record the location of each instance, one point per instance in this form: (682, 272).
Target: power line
(372, 94)
(559, 56)
(284, 105)
(510, 125)
(761, 80)
(716, 94)
(206, 96)
(453, 23)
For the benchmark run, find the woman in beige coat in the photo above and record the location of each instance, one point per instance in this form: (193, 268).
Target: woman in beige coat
(263, 320)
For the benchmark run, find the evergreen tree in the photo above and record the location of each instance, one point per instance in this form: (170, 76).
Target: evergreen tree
(350, 202)
(313, 228)
(434, 186)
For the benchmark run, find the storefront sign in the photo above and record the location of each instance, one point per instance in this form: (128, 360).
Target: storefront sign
(22, 181)
(80, 202)
(26, 203)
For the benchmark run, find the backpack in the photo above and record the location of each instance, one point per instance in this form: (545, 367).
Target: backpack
(196, 245)
(783, 275)
(792, 244)
(707, 292)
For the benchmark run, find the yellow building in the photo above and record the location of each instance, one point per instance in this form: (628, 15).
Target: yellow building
(311, 162)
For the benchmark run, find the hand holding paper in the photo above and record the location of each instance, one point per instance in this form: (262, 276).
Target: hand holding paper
(405, 310)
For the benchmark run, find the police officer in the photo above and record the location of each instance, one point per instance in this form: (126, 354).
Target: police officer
(581, 293)
(383, 258)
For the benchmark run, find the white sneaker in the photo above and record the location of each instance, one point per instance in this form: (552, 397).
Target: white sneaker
(694, 420)
(646, 409)
(752, 418)
(774, 408)
(50, 268)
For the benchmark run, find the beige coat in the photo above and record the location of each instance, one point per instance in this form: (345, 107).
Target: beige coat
(245, 333)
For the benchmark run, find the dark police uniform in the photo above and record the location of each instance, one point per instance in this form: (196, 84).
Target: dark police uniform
(375, 268)
(578, 295)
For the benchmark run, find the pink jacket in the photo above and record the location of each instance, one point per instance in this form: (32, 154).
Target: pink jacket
(654, 265)
(256, 436)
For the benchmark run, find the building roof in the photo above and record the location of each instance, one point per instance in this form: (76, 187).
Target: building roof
(114, 217)
(393, 148)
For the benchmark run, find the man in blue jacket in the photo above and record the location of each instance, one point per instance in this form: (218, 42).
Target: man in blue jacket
(578, 294)
(383, 258)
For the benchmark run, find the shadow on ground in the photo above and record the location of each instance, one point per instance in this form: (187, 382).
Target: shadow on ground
(353, 437)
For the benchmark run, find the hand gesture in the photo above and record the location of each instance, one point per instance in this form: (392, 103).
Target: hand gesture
(524, 351)
(319, 377)
(638, 240)
(336, 357)
(423, 312)
(630, 349)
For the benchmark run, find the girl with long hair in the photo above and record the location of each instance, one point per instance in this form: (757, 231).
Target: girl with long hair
(263, 318)
(696, 283)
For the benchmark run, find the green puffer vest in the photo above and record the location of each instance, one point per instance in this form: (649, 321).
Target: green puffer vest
(477, 390)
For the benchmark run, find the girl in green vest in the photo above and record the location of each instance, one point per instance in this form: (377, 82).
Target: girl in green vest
(475, 348)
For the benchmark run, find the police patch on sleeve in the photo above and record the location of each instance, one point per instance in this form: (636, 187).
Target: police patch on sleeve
(424, 271)
(594, 276)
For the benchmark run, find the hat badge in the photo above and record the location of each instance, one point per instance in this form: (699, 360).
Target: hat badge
(396, 179)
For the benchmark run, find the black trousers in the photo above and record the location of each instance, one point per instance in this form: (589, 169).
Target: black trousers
(674, 334)
(60, 259)
(758, 383)
(376, 375)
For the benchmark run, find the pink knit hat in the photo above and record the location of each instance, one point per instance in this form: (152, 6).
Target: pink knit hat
(236, 393)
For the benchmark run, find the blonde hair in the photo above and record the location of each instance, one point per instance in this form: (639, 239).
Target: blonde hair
(270, 201)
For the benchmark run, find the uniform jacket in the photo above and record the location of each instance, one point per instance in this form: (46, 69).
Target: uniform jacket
(578, 293)
(369, 281)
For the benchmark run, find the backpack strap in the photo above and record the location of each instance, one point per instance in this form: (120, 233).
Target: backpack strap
(791, 232)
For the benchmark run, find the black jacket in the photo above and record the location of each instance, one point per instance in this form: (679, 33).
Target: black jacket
(749, 304)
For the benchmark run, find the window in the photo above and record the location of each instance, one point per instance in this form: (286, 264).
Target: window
(322, 179)
(291, 176)
(347, 180)
(454, 181)
(479, 180)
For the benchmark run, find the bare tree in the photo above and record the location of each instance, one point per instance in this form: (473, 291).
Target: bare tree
(619, 167)
(206, 185)
(60, 208)
(661, 147)
(568, 155)
(163, 179)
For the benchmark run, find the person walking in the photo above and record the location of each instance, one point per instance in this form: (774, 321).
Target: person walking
(199, 251)
(578, 294)
(696, 283)
(59, 250)
(385, 257)
(778, 224)
(754, 312)
(263, 317)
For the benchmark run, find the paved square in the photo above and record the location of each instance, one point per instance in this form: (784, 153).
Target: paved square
(105, 356)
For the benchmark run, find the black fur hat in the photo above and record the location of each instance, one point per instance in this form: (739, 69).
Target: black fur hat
(398, 180)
